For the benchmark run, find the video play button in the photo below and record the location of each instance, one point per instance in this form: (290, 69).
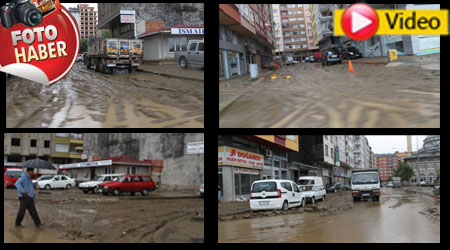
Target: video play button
(359, 22)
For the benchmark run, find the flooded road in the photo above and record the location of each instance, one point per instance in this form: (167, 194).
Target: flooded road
(398, 217)
(397, 95)
(85, 98)
(71, 216)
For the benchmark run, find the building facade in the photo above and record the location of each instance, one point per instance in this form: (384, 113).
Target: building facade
(88, 21)
(244, 159)
(426, 162)
(387, 164)
(362, 152)
(21, 147)
(277, 31)
(245, 38)
(297, 31)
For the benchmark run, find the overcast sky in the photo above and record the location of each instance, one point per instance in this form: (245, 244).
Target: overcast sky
(389, 144)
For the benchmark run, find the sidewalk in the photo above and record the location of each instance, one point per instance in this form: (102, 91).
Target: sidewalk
(174, 70)
(408, 60)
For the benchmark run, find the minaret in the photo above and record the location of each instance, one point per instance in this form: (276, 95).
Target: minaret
(408, 139)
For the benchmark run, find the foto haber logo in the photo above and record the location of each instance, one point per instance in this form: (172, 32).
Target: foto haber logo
(40, 40)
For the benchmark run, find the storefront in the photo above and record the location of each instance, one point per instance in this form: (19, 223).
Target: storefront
(299, 169)
(237, 170)
(86, 171)
(161, 45)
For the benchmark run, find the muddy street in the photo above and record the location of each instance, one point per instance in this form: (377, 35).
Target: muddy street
(71, 216)
(400, 94)
(401, 215)
(85, 98)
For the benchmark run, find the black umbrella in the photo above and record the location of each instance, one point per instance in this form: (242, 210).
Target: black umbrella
(38, 163)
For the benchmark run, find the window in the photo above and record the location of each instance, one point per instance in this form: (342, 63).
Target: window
(15, 142)
(301, 19)
(291, 12)
(300, 12)
(291, 5)
(244, 10)
(275, 18)
(46, 144)
(303, 39)
(251, 16)
(131, 170)
(193, 46)
(302, 25)
(64, 148)
(177, 44)
(201, 47)
(299, 5)
(76, 136)
(33, 143)
(137, 179)
(302, 32)
(284, 20)
(292, 19)
(62, 134)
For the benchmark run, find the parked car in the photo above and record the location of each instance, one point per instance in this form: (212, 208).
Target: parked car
(390, 184)
(289, 60)
(423, 182)
(58, 181)
(313, 193)
(307, 59)
(347, 187)
(335, 187)
(351, 53)
(93, 185)
(80, 58)
(311, 59)
(331, 56)
(11, 176)
(275, 194)
(128, 184)
(202, 190)
(194, 55)
(43, 178)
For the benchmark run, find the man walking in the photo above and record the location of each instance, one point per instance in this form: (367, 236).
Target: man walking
(25, 188)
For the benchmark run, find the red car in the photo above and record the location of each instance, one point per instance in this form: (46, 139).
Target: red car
(130, 183)
(11, 176)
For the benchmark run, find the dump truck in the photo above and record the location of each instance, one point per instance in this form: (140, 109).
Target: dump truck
(113, 55)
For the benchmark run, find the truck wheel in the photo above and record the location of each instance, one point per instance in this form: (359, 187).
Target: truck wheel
(88, 63)
(133, 69)
(101, 66)
(183, 63)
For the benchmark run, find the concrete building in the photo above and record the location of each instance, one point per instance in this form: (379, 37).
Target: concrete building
(361, 152)
(245, 38)
(88, 19)
(278, 34)
(387, 164)
(183, 164)
(21, 147)
(75, 11)
(297, 30)
(67, 148)
(244, 159)
(322, 26)
(165, 27)
(426, 162)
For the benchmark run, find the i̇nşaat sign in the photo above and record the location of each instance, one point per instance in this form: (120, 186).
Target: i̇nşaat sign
(44, 47)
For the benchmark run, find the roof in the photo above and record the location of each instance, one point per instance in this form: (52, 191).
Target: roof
(166, 30)
(126, 159)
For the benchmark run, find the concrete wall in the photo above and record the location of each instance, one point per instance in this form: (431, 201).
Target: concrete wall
(181, 170)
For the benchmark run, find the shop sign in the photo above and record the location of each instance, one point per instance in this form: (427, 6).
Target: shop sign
(324, 172)
(236, 170)
(236, 157)
(195, 148)
(126, 18)
(87, 164)
(187, 31)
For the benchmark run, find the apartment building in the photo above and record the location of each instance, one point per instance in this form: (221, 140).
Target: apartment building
(88, 18)
(361, 152)
(297, 31)
(387, 164)
(245, 38)
(277, 30)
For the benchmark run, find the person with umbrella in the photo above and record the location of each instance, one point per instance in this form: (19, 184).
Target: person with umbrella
(25, 190)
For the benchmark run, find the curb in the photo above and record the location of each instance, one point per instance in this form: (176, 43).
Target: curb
(175, 76)
(371, 63)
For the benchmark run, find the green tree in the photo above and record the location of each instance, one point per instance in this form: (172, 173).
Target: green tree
(83, 45)
(404, 171)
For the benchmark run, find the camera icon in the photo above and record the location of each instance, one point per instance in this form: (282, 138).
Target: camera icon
(20, 11)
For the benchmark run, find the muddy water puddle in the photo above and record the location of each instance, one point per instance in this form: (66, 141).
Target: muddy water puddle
(392, 220)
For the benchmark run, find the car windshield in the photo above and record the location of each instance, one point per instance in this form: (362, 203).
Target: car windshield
(14, 173)
(365, 178)
(98, 178)
(264, 186)
(353, 49)
(306, 182)
(121, 178)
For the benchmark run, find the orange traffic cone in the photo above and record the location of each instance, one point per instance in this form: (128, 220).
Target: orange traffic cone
(350, 67)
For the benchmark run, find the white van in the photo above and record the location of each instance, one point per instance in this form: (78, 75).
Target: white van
(312, 188)
(275, 194)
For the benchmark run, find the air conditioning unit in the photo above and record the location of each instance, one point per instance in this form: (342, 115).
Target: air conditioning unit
(268, 152)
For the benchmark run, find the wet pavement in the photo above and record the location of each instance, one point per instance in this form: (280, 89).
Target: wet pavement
(85, 98)
(403, 94)
(400, 216)
(71, 216)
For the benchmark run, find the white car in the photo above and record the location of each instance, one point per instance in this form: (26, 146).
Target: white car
(202, 190)
(58, 181)
(313, 193)
(275, 194)
(93, 185)
(43, 178)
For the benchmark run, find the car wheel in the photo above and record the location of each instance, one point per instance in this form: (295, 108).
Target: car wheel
(96, 190)
(183, 63)
(313, 200)
(285, 205)
(116, 192)
(145, 192)
(303, 202)
(68, 186)
(48, 187)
